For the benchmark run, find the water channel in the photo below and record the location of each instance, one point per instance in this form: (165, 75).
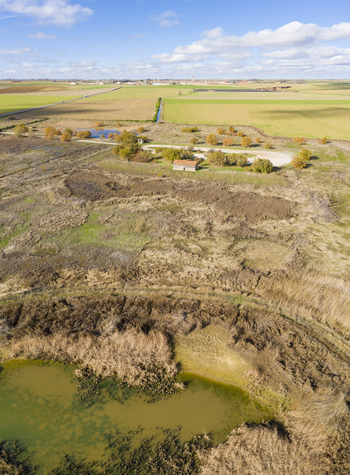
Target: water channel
(40, 407)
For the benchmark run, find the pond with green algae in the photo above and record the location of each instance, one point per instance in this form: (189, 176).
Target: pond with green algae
(40, 407)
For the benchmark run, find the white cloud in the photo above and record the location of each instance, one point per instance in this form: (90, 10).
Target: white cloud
(58, 12)
(176, 58)
(138, 35)
(292, 34)
(167, 19)
(40, 36)
(11, 52)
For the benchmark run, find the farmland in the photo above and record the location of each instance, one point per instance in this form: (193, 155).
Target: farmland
(308, 118)
(15, 102)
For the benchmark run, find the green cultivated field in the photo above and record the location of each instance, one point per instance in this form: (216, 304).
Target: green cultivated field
(15, 102)
(307, 118)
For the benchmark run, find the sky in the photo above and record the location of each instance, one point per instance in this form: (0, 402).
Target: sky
(140, 39)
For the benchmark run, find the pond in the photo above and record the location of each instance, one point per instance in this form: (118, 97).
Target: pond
(40, 407)
(98, 131)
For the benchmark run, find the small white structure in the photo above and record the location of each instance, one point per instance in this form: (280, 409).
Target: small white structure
(139, 140)
(185, 165)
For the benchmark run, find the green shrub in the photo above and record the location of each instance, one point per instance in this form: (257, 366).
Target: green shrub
(267, 145)
(241, 161)
(262, 165)
(84, 134)
(126, 137)
(217, 158)
(126, 151)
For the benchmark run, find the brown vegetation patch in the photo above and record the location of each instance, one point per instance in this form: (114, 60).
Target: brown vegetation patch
(247, 205)
(21, 89)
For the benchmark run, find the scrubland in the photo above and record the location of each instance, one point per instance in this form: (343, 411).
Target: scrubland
(137, 271)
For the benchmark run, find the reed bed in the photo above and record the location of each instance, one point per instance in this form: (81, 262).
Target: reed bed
(134, 357)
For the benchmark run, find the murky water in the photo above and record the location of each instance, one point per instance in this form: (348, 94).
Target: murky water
(39, 405)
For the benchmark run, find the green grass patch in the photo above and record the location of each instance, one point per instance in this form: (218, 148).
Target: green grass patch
(130, 235)
(5, 238)
(14, 102)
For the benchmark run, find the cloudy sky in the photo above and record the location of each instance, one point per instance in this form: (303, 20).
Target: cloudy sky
(176, 38)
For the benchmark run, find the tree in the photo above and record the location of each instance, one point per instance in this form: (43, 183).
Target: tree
(31, 132)
(221, 131)
(257, 140)
(102, 136)
(171, 154)
(240, 133)
(301, 141)
(262, 165)
(110, 135)
(189, 129)
(231, 129)
(68, 130)
(323, 141)
(194, 140)
(140, 130)
(217, 158)
(228, 142)
(99, 124)
(246, 141)
(187, 155)
(267, 145)
(211, 139)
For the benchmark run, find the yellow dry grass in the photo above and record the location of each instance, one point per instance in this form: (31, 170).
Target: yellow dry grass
(118, 109)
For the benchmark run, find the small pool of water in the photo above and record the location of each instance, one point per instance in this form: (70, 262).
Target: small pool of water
(40, 407)
(97, 132)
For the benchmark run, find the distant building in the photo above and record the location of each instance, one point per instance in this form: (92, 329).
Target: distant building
(139, 140)
(73, 83)
(185, 165)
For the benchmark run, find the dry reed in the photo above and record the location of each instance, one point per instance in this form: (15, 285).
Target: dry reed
(138, 359)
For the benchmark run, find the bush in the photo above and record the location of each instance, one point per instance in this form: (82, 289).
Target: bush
(211, 139)
(126, 137)
(246, 141)
(65, 137)
(299, 140)
(323, 141)
(189, 129)
(142, 156)
(257, 140)
(171, 154)
(231, 129)
(19, 131)
(51, 132)
(126, 151)
(140, 130)
(194, 140)
(240, 134)
(262, 165)
(68, 130)
(221, 131)
(102, 136)
(241, 161)
(217, 158)
(228, 142)
(267, 145)
(31, 132)
(305, 154)
(298, 162)
(111, 135)
(99, 124)
(84, 134)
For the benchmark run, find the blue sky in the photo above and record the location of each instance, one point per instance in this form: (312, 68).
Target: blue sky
(177, 39)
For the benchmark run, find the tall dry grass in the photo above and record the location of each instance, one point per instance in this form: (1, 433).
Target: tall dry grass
(262, 450)
(322, 297)
(137, 358)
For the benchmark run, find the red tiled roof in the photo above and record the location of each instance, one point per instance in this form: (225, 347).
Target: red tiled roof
(185, 163)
